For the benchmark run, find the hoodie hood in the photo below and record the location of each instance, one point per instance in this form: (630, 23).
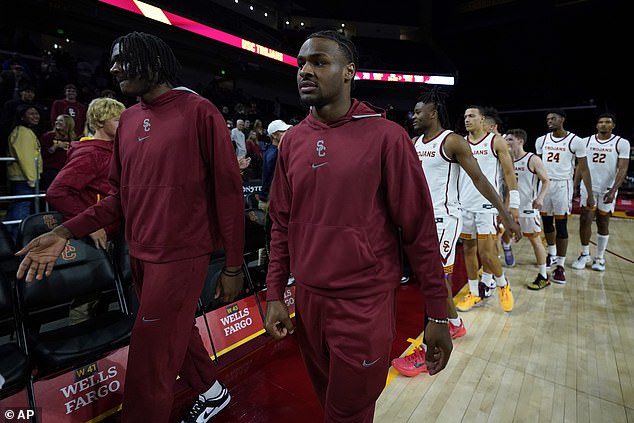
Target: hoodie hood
(358, 110)
(87, 144)
(167, 97)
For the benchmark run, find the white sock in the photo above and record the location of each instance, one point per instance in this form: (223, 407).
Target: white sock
(501, 280)
(602, 244)
(552, 250)
(585, 250)
(214, 391)
(473, 286)
(561, 261)
(542, 270)
(506, 246)
(456, 321)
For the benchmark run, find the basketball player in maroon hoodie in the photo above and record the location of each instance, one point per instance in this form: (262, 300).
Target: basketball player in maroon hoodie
(175, 181)
(346, 179)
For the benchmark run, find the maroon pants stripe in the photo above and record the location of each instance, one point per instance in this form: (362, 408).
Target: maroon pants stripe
(165, 342)
(346, 344)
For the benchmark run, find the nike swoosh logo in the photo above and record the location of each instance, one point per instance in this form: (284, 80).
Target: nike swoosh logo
(366, 364)
(315, 166)
(141, 139)
(146, 320)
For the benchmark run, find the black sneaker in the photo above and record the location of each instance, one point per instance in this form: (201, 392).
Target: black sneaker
(204, 409)
(540, 282)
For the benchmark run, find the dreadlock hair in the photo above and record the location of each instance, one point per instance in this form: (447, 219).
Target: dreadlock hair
(148, 56)
(346, 46)
(436, 96)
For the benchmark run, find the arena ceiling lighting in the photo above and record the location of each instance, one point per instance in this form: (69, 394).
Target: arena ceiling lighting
(168, 18)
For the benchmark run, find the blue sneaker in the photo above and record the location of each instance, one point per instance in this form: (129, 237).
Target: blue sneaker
(509, 259)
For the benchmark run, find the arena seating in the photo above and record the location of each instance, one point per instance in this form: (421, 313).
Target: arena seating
(82, 271)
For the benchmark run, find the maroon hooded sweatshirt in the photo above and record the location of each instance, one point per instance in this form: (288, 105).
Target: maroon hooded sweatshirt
(83, 181)
(340, 191)
(175, 180)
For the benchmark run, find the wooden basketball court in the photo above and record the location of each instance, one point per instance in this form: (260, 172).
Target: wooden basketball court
(564, 354)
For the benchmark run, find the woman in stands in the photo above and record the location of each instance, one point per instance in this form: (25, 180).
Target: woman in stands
(55, 144)
(25, 171)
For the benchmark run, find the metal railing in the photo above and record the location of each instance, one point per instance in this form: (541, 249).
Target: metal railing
(36, 196)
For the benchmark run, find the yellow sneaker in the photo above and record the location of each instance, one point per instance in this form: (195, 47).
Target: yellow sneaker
(468, 302)
(506, 297)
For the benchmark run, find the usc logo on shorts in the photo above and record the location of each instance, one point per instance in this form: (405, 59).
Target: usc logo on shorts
(446, 246)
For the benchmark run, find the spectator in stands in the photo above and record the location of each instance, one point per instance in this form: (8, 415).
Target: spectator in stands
(69, 105)
(54, 144)
(247, 128)
(23, 173)
(26, 96)
(11, 80)
(238, 139)
(83, 181)
(180, 202)
(276, 129)
(258, 127)
(346, 179)
(254, 152)
(108, 93)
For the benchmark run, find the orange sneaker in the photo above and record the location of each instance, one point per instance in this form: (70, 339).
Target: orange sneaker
(506, 297)
(468, 302)
(411, 365)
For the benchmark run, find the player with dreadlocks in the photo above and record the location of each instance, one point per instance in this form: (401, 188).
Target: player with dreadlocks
(442, 153)
(175, 181)
(346, 179)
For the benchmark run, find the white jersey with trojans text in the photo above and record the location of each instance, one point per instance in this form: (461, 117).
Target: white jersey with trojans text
(484, 153)
(441, 173)
(558, 154)
(527, 185)
(603, 159)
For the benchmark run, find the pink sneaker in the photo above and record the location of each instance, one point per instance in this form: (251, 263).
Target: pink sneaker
(457, 331)
(411, 365)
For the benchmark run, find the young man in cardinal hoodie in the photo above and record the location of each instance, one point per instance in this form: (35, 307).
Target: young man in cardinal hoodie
(83, 181)
(175, 180)
(347, 178)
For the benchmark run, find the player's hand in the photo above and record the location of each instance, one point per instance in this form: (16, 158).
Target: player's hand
(40, 255)
(229, 287)
(590, 201)
(515, 213)
(516, 231)
(100, 238)
(439, 346)
(609, 196)
(278, 321)
(538, 204)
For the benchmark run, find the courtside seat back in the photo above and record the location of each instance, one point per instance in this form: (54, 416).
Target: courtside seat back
(14, 364)
(82, 271)
(8, 261)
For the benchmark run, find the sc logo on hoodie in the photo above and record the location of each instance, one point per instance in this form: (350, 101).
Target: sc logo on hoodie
(321, 148)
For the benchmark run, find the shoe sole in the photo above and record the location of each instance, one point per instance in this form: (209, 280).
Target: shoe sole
(598, 270)
(410, 374)
(559, 282)
(537, 288)
(470, 308)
